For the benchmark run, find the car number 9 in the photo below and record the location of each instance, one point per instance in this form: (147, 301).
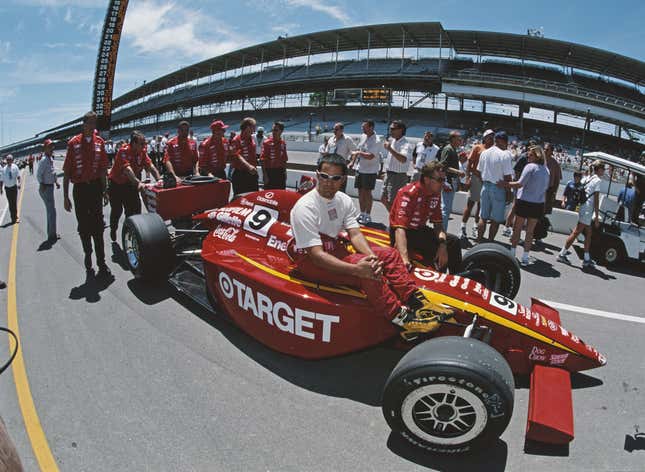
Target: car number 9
(261, 220)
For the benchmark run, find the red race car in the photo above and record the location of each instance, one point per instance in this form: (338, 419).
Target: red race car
(452, 391)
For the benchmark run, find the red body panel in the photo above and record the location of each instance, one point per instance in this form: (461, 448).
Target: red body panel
(250, 274)
(186, 200)
(550, 418)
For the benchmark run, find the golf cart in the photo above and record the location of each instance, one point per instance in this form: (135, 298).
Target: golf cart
(616, 240)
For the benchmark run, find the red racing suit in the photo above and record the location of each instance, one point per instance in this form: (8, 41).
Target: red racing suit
(387, 294)
(125, 158)
(412, 207)
(182, 155)
(213, 156)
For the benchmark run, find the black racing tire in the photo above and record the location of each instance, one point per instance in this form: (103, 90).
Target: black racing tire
(609, 250)
(502, 270)
(450, 395)
(148, 247)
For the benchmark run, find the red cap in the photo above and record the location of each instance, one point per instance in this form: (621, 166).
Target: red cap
(47, 142)
(218, 124)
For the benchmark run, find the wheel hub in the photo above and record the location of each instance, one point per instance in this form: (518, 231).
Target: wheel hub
(444, 414)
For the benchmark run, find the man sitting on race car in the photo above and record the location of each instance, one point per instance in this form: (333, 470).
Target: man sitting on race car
(317, 219)
(414, 205)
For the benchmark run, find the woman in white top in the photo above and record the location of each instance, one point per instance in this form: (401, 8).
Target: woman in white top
(587, 211)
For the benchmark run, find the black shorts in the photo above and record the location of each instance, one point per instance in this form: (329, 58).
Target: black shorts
(529, 209)
(366, 181)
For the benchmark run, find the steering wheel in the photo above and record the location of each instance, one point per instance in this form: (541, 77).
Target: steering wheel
(200, 179)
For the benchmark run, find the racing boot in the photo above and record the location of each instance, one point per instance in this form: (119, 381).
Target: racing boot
(422, 316)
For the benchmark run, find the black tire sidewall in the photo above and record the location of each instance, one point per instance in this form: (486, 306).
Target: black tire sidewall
(490, 381)
(156, 254)
(494, 255)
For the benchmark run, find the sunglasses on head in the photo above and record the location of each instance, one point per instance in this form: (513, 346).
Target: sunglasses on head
(333, 178)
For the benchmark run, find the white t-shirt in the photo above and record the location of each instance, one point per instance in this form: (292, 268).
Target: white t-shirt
(591, 185)
(371, 144)
(425, 154)
(343, 146)
(494, 164)
(313, 214)
(9, 175)
(402, 146)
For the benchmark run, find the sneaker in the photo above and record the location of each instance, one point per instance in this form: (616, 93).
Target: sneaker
(508, 232)
(564, 258)
(2, 284)
(588, 264)
(367, 218)
(473, 232)
(464, 235)
(360, 219)
(414, 324)
(567, 252)
(525, 261)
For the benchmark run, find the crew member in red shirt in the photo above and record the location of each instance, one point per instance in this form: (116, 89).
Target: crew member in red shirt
(180, 158)
(125, 179)
(244, 159)
(86, 167)
(415, 205)
(214, 151)
(274, 159)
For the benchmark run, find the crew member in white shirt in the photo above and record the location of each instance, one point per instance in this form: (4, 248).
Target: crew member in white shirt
(341, 145)
(46, 176)
(398, 161)
(366, 160)
(587, 212)
(495, 164)
(424, 153)
(11, 183)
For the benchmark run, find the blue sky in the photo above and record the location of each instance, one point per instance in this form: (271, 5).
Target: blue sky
(48, 47)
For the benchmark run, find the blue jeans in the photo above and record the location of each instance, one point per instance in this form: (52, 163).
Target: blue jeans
(47, 194)
(446, 203)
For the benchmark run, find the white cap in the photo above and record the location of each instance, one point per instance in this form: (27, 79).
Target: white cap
(488, 132)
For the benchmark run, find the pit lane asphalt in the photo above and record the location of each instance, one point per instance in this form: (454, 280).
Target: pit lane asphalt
(130, 378)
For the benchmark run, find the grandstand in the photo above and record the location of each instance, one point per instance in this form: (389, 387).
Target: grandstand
(440, 79)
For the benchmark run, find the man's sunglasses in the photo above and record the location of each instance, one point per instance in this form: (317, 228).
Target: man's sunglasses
(333, 178)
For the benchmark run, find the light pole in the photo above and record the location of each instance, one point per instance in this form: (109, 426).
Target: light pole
(311, 115)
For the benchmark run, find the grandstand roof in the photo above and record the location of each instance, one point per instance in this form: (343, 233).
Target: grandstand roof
(409, 35)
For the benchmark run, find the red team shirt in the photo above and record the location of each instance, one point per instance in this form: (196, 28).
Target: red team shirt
(274, 154)
(85, 161)
(182, 155)
(412, 207)
(246, 149)
(126, 158)
(213, 155)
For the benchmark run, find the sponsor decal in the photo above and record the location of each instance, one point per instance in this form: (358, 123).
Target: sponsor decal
(552, 326)
(426, 275)
(279, 314)
(575, 338)
(227, 218)
(564, 331)
(269, 195)
(455, 281)
(226, 233)
(268, 201)
(537, 354)
(464, 285)
(276, 243)
(558, 359)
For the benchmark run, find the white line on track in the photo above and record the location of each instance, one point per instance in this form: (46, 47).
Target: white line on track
(592, 312)
(4, 213)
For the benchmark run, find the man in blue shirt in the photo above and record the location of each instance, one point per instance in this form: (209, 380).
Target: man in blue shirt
(626, 201)
(571, 195)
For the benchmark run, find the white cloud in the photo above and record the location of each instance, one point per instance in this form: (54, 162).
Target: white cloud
(285, 28)
(38, 70)
(336, 12)
(167, 29)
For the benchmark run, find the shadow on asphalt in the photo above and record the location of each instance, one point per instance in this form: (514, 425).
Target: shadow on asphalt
(542, 269)
(490, 459)
(91, 289)
(46, 245)
(543, 449)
